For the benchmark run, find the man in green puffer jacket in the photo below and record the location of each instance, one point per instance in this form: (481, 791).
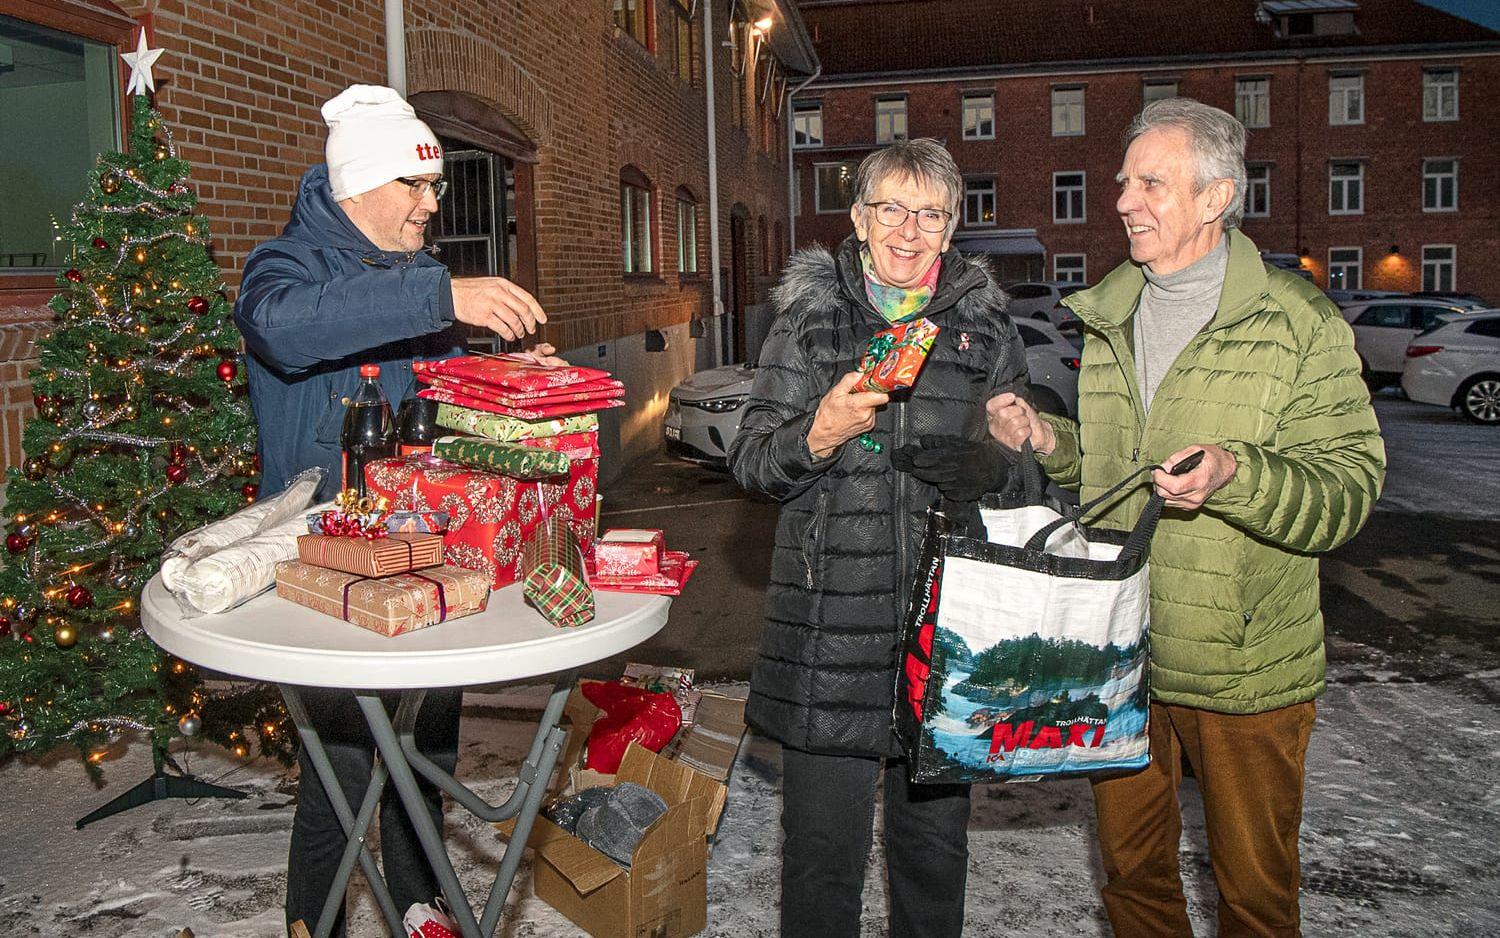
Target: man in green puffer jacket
(1196, 345)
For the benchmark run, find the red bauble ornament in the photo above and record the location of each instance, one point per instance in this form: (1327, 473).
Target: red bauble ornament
(255, 461)
(227, 370)
(179, 453)
(250, 490)
(16, 543)
(177, 473)
(4, 632)
(79, 597)
(5, 705)
(101, 244)
(40, 400)
(73, 275)
(197, 306)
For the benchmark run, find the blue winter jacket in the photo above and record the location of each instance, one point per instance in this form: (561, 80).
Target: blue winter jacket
(314, 305)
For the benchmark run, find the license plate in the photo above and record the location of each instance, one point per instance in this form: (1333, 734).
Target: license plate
(674, 434)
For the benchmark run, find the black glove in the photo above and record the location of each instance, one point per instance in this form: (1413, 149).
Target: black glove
(962, 470)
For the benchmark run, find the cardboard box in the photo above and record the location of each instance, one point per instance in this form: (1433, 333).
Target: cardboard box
(664, 893)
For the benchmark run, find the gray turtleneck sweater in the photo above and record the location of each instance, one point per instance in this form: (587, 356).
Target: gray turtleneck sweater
(1173, 309)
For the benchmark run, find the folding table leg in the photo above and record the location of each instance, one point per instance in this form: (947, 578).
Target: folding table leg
(354, 826)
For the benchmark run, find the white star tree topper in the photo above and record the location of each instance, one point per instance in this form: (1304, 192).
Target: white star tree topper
(140, 62)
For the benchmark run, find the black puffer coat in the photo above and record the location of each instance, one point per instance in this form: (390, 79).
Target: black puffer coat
(851, 526)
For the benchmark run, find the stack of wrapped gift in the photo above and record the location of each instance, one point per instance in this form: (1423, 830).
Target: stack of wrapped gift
(353, 566)
(526, 447)
(635, 560)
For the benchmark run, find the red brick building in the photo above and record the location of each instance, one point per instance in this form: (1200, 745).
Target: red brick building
(1371, 147)
(578, 140)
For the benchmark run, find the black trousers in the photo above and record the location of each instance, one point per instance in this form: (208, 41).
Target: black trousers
(827, 819)
(318, 838)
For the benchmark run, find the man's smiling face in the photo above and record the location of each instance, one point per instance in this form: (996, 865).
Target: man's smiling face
(390, 217)
(1169, 221)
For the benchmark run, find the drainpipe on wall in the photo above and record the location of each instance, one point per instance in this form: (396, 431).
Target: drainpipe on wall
(395, 45)
(713, 164)
(791, 166)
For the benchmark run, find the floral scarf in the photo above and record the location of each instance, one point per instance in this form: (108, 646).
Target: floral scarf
(897, 304)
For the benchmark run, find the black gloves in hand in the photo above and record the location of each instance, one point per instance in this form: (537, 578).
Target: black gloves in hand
(962, 470)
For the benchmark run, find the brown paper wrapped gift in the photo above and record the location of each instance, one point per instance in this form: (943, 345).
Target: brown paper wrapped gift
(388, 605)
(382, 556)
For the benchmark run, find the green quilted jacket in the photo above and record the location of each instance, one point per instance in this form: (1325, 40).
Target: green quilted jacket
(1273, 378)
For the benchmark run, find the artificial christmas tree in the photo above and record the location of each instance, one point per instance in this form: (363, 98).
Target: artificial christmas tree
(143, 432)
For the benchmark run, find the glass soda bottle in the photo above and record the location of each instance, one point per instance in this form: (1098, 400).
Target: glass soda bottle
(416, 425)
(369, 432)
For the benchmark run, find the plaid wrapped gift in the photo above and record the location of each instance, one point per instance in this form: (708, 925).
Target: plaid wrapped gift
(388, 605)
(511, 459)
(511, 429)
(489, 515)
(555, 581)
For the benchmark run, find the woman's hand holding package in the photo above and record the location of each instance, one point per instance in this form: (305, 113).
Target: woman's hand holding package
(843, 414)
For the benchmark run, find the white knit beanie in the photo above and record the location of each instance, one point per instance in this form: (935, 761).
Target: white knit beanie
(373, 137)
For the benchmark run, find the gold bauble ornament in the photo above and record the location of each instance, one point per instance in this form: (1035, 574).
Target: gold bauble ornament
(65, 635)
(109, 183)
(162, 152)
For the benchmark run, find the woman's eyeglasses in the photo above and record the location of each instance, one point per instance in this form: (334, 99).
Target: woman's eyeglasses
(893, 215)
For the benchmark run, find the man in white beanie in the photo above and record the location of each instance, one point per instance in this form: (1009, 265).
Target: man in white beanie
(350, 282)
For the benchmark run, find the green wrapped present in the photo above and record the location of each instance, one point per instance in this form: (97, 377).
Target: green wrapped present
(554, 580)
(510, 429)
(507, 459)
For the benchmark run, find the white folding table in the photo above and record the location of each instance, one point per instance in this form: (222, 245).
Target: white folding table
(271, 639)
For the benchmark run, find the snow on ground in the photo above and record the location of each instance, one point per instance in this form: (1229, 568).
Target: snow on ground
(1398, 836)
(1438, 462)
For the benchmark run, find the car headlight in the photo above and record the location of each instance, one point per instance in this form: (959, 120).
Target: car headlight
(718, 405)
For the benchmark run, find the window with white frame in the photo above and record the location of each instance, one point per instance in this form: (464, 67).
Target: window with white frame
(1440, 94)
(1346, 268)
(1073, 268)
(1346, 99)
(635, 221)
(1067, 197)
(979, 116)
(834, 185)
(1440, 185)
(1257, 190)
(1252, 101)
(1346, 188)
(1438, 262)
(687, 232)
(807, 125)
(1067, 111)
(979, 201)
(1157, 91)
(890, 120)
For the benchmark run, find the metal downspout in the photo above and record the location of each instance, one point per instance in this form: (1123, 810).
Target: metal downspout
(714, 280)
(395, 45)
(791, 165)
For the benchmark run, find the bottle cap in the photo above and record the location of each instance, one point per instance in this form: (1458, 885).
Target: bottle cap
(369, 371)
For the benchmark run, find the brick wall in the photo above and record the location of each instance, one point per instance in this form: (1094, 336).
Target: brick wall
(1297, 145)
(19, 331)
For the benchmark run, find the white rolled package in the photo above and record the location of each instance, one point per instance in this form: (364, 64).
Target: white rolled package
(220, 565)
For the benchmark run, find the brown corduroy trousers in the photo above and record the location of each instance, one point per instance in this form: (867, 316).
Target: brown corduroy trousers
(1250, 771)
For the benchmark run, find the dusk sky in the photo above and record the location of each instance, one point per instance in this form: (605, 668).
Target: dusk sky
(1486, 12)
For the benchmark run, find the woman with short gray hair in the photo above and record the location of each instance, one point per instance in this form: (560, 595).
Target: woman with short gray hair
(855, 473)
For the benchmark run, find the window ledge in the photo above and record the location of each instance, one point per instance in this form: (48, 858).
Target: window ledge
(643, 277)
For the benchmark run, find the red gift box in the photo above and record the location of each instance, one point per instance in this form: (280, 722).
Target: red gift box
(629, 552)
(896, 355)
(489, 515)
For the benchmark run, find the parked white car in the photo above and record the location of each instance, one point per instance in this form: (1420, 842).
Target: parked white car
(1042, 299)
(1384, 327)
(704, 409)
(1457, 364)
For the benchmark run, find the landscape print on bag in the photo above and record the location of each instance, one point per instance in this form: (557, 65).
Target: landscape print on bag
(1020, 704)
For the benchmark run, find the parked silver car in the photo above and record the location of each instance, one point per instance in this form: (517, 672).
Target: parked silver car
(704, 409)
(1042, 299)
(1384, 327)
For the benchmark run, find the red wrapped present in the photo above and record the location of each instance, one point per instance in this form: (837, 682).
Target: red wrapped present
(895, 356)
(489, 516)
(527, 412)
(628, 552)
(511, 372)
(676, 568)
(584, 391)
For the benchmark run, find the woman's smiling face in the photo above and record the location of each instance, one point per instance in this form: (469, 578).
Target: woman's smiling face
(903, 254)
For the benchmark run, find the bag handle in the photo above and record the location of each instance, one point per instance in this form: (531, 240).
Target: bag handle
(1033, 486)
(1140, 535)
